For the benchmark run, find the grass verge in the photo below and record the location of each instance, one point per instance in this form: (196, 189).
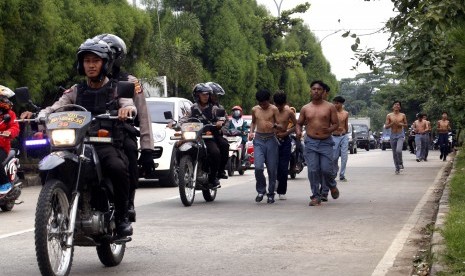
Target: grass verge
(454, 229)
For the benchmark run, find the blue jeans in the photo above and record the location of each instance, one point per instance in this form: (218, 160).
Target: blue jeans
(421, 141)
(341, 148)
(319, 159)
(397, 142)
(265, 152)
(283, 164)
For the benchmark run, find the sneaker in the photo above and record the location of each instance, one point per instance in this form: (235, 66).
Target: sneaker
(418, 160)
(314, 202)
(334, 192)
(444, 158)
(343, 179)
(5, 188)
(324, 198)
(282, 197)
(440, 156)
(401, 167)
(397, 171)
(270, 200)
(259, 198)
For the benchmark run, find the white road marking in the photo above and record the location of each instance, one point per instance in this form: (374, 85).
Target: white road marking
(16, 233)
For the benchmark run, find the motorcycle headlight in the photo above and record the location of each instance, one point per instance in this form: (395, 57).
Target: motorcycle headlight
(159, 135)
(189, 135)
(63, 137)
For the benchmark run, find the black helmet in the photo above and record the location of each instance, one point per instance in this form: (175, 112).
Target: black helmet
(200, 88)
(217, 89)
(117, 45)
(101, 49)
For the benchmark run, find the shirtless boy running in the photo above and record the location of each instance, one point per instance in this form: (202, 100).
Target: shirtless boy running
(396, 121)
(320, 120)
(420, 127)
(262, 131)
(443, 127)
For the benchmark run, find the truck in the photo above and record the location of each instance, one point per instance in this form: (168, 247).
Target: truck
(361, 126)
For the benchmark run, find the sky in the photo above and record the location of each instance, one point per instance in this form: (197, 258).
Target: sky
(329, 19)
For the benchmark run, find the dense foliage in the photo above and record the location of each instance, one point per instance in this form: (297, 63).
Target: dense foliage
(235, 43)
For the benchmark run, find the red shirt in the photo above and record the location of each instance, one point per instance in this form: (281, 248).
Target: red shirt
(12, 127)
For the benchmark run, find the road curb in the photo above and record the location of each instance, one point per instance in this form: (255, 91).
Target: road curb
(437, 240)
(31, 180)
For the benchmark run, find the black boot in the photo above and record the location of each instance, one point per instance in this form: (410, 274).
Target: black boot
(123, 225)
(131, 208)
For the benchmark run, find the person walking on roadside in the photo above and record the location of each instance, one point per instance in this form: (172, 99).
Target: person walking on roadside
(285, 115)
(396, 121)
(262, 132)
(340, 138)
(411, 140)
(428, 136)
(320, 120)
(420, 127)
(443, 127)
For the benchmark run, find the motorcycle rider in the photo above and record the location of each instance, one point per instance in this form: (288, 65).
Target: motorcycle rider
(237, 124)
(94, 60)
(206, 112)
(9, 130)
(119, 49)
(220, 140)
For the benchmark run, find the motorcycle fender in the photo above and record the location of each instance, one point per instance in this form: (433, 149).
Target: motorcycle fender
(55, 159)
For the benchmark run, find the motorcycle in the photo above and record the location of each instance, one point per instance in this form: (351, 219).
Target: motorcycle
(236, 160)
(11, 166)
(76, 203)
(296, 162)
(192, 158)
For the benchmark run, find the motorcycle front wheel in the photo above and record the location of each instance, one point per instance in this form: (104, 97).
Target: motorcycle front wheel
(186, 180)
(51, 230)
(111, 254)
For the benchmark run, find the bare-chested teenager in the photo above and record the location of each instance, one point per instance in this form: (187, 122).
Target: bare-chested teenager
(320, 120)
(285, 115)
(262, 131)
(396, 121)
(420, 126)
(443, 128)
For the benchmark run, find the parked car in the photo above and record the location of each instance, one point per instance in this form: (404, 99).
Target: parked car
(352, 140)
(362, 134)
(163, 145)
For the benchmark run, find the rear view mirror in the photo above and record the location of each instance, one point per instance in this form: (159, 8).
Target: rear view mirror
(220, 112)
(22, 95)
(168, 115)
(125, 89)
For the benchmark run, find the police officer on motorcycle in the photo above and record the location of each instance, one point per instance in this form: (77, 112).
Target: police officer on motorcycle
(220, 140)
(237, 126)
(94, 60)
(142, 120)
(205, 111)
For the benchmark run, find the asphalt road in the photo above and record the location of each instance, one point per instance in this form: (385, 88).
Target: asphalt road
(370, 230)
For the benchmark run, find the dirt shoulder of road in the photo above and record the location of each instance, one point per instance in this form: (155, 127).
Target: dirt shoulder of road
(416, 257)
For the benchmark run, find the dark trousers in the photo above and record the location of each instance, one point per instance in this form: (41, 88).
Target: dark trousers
(411, 143)
(3, 177)
(223, 146)
(115, 166)
(443, 141)
(284, 151)
(213, 158)
(130, 149)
